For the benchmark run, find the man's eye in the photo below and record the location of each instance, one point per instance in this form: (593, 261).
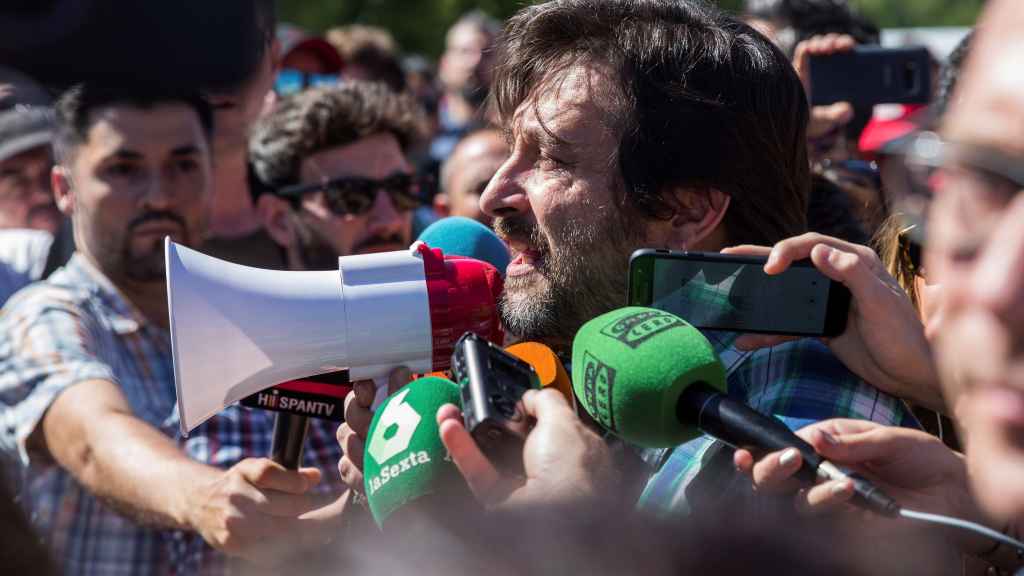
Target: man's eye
(188, 165)
(123, 169)
(549, 160)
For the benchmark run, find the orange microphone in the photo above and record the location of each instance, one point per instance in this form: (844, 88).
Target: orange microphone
(545, 362)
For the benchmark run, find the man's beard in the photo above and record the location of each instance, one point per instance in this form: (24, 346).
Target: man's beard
(149, 266)
(316, 253)
(581, 275)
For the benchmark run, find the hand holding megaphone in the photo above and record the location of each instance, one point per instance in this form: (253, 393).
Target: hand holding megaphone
(565, 463)
(358, 416)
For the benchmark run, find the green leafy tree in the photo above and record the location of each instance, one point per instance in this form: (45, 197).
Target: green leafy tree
(420, 25)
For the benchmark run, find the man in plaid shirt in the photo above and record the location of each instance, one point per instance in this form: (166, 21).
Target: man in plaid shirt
(87, 403)
(658, 125)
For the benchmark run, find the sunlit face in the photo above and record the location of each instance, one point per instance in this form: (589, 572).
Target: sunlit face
(555, 201)
(26, 199)
(320, 235)
(976, 252)
(141, 175)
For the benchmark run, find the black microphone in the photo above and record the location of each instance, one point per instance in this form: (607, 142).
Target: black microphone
(739, 425)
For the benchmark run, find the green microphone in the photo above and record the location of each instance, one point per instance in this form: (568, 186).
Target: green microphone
(631, 366)
(405, 459)
(651, 378)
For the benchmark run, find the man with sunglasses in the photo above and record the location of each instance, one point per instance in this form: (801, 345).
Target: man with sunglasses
(335, 177)
(336, 181)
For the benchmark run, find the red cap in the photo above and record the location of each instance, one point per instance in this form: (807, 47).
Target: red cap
(883, 129)
(463, 295)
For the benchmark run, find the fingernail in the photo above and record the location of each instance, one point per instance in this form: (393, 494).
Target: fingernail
(841, 488)
(788, 456)
(829, 438)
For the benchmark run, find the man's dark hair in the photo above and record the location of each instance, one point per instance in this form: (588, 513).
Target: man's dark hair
(705, 102)
(949, 75)
(76, 105)
(307, 122)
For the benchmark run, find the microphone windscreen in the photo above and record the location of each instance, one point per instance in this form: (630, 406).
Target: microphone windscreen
(545, 362)
(459, 236)
(630, 366)
(405, 459)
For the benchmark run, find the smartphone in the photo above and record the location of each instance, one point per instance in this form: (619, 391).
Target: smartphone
(732, 293)
(492, 383)
(869, 75)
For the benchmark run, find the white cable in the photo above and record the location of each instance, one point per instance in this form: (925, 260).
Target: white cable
(963, 525)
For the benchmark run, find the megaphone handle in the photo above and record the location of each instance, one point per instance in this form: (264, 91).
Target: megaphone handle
(289, 439)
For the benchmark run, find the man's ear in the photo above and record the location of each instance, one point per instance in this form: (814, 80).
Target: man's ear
(441, 207)
(63, 192)
(697, 224)
(274, 214)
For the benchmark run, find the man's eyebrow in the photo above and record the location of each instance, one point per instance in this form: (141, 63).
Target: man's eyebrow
(546, 138)
(540, 134)
(185, 150)
(126, 154)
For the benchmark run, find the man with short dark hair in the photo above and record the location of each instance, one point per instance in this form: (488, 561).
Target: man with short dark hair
(86, 378)
(659, 125)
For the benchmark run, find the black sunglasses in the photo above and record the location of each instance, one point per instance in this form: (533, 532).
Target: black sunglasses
(356, 196)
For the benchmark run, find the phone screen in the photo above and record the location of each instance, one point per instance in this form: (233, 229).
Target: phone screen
(739, 296)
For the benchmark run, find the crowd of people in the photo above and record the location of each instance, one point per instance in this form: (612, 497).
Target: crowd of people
(580, 131)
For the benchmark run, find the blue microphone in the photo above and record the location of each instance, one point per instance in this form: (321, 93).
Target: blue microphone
(458, 236)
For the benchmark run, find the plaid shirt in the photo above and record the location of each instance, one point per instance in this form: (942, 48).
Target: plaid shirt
(75, 327)
(800, 381)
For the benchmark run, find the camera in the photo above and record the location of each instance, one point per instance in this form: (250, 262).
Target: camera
(492, 383)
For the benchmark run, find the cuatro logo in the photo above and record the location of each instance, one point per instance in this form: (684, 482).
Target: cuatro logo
(639, 327)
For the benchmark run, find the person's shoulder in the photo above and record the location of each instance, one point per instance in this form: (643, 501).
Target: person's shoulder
(23, 254)
(58, 292)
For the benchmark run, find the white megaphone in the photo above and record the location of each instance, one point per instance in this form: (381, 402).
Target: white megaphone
(237, 330)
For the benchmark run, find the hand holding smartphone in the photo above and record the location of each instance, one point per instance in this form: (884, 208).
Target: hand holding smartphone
(733, 293)
(869, 75)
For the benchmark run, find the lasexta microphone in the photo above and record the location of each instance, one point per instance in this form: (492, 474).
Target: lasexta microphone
(656, 381)
(405, 459)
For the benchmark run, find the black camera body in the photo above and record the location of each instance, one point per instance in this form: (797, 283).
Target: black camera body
(492, 382)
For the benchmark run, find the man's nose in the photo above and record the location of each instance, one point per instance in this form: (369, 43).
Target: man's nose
(997, 280)
(384, 218)
(158, 194)
(506, 193)
(41, 193)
